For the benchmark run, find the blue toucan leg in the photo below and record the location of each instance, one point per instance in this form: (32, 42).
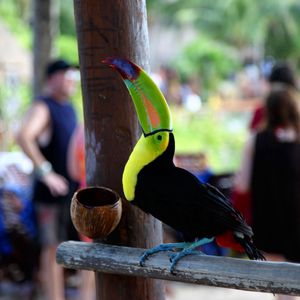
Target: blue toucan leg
(188, 250)
(162, 247)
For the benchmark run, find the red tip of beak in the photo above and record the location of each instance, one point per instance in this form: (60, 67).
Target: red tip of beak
(108, 60)
(126, 68)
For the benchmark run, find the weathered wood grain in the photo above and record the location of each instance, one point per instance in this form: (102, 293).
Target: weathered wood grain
(283, 278)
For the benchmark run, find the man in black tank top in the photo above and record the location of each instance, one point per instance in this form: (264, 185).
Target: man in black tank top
(44, 137)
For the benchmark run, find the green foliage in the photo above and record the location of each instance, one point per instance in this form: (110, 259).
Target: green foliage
(281, 40)
(220, 135)
(209, 60)
(14, 100)
(67, 48)
(66, 19)
(269, 26)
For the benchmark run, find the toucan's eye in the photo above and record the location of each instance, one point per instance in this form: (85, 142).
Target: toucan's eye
(159, 137)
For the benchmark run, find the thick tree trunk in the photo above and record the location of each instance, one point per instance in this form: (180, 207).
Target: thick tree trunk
(114, 28)
(45, 26)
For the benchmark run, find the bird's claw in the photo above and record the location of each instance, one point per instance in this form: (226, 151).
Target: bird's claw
(177, 256)
(174, 258)
(143, 259)
(159, 248)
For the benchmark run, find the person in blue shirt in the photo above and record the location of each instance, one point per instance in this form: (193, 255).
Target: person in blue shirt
(44, 137)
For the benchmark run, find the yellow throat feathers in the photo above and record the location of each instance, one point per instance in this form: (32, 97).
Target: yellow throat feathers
(145, 151)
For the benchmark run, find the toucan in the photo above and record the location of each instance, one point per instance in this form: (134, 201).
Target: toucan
(151, 181)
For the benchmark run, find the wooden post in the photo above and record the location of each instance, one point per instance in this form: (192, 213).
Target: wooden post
(114, 28)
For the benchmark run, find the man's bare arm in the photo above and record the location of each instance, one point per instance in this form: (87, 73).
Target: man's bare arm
(34, 125)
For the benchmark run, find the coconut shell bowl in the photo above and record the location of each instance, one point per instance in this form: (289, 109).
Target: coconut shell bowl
(96, 211)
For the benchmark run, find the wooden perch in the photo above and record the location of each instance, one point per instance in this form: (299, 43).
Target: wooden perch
(274, 277)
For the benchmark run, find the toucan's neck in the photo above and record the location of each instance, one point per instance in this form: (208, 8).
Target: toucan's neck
(166, 158)
(143, 160)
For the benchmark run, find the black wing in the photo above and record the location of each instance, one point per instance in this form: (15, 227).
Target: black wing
(177, 198)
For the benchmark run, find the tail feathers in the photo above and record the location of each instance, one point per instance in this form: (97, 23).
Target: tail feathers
(250, 249)
(240, 242)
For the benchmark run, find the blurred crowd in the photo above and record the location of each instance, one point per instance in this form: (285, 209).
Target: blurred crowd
(248, 84)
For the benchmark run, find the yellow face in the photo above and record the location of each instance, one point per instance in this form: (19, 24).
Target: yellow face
(145, 151)
(156, 144)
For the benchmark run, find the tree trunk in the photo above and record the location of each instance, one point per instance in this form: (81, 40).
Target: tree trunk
(45, 27)
(114, 28)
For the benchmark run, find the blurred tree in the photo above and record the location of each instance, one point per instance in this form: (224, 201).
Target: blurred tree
(66, 18)
(45, 20)
(283, 29)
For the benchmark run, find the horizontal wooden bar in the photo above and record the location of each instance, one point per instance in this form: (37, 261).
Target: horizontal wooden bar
(243, 274)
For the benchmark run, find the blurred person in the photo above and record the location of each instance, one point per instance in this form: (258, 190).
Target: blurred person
(191, 99)
(270, 171)
(250, 79)
(44, 137)
(280, 73)
(204, 171)
(173, 89)
(160, 78)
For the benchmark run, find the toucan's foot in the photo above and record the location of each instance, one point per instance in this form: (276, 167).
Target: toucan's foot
(188, 250)
(162, 247)
(176, 257)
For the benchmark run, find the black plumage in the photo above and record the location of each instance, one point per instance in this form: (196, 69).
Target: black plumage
(177, 198)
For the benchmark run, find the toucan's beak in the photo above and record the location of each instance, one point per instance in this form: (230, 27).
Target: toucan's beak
(150, 104)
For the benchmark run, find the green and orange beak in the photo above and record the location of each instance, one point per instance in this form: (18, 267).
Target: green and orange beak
(150, 104)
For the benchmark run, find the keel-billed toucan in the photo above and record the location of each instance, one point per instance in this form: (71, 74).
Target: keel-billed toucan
(152, 182)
